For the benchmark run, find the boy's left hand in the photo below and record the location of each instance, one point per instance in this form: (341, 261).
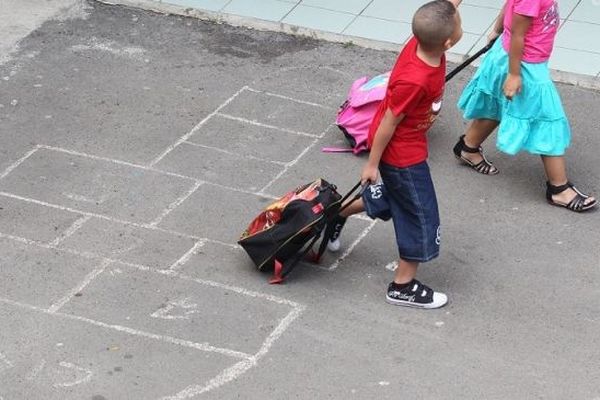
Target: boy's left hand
(369, 175)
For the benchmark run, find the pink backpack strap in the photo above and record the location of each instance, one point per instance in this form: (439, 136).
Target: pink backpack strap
(336, 150)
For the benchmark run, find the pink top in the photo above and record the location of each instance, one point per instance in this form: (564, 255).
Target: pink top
(539, 39)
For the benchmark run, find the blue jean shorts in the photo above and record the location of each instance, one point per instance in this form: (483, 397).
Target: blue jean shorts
(407, 197)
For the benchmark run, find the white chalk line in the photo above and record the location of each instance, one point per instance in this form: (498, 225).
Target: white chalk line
(280, 96)
(262, 125)
(164, 312)
(70, 230)
(83, 254)
(233, 189)
(134, 332)
(68, 365)
(349, 250)
(232, 373)
(99, 216)
(127, 223)
(294, 161)
(230, 245)
(85, 199)
(175, 204)
(14, 165)
(77, 289)
(115, 161)
(219, 150)
(43, 245)
(85, 155)
(90, 255)
(186, 257)
(362, 217)
(195, 128)
(235, 289)
(6, 363)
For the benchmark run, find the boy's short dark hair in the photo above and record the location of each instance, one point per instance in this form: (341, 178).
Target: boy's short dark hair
(433, 23)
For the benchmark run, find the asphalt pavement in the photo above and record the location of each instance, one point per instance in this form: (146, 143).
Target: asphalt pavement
(137, 146)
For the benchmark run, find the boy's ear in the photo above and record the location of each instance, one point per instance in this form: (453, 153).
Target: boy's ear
(448, 44)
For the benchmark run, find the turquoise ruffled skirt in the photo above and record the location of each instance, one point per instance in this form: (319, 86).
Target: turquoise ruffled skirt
(533, 121)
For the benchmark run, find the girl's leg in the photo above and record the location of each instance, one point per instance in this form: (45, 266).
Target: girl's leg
(476, 134)
(556, 171)
(468, 149)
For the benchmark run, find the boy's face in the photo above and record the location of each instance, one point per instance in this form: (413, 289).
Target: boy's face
(456, 33)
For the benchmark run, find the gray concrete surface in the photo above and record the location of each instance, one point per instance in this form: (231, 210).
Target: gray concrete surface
(137, 146)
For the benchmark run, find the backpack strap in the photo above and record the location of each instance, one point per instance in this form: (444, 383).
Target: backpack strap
(283, 269)
(336, 150)
(330, 228)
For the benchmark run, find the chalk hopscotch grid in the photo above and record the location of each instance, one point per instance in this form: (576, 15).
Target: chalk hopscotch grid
(54, 309)
(248, 361)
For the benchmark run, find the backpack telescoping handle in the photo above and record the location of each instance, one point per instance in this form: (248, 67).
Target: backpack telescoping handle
(347, 196)
(469, 60)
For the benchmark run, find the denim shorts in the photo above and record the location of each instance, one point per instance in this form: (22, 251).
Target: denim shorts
(407, 197)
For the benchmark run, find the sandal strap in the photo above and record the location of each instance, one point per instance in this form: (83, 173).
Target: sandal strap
(468, 149)
(561, 188)
(577, 204)
(483, 167)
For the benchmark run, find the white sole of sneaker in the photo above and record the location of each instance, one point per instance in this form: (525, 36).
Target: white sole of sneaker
(334, 246)
(438, 301)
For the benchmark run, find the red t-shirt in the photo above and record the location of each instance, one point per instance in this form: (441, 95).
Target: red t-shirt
(415, 89)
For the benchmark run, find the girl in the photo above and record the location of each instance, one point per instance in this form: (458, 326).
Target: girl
(512, 89)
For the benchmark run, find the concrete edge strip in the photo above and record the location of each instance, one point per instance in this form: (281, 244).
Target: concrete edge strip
(571, 78)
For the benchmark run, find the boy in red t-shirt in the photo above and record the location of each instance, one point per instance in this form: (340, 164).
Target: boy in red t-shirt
(398, 144)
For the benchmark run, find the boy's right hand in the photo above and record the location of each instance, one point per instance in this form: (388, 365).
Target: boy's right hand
(369, 175)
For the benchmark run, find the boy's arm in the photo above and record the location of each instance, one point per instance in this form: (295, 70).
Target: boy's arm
(383, 135)
(520, 26)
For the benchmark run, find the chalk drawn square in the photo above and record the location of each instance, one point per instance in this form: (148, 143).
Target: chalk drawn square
(230, 321)
(129, 243)
(39, 276)
(59, 358)
(99, 186)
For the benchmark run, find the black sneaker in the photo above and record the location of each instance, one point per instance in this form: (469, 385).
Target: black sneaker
(415, 295)
(334, 242)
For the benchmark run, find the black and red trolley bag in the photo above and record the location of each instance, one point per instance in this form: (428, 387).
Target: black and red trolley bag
(286, 230)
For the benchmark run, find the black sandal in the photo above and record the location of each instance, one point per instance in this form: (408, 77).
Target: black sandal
(577, 204)
(483, 167)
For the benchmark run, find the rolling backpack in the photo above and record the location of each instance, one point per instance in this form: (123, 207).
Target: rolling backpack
(286, 230)
(356, 113)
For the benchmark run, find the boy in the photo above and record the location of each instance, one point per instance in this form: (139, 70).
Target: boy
(398, 151)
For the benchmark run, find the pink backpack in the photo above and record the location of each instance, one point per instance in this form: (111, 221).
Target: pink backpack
(357, 112)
